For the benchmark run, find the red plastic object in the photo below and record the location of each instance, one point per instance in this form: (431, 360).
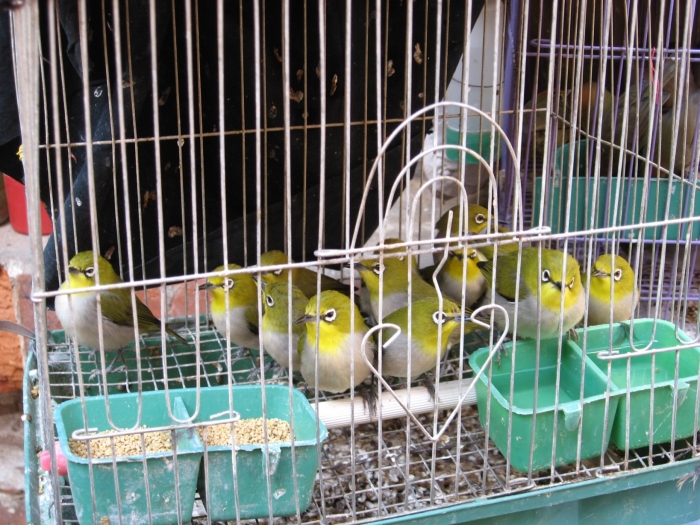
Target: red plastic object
(61, 463)
(17, 204)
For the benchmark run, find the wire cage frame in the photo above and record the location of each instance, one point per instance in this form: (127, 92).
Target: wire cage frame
(177, 138)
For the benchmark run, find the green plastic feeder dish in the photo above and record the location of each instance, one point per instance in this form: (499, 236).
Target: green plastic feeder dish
(140, 484)
(570, 414)
(476, 141)
(640, 381)
(624, 194)
(251, 462)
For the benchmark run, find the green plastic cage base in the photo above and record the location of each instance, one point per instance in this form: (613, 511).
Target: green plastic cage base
(651, 497)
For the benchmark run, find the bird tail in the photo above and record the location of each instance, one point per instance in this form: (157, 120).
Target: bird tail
(176, 335)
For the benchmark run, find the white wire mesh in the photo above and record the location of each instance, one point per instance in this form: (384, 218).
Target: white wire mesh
(230, 130)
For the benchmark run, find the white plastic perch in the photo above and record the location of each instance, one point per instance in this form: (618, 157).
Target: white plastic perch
(336, 413)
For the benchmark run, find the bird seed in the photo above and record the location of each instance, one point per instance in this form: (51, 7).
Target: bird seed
(129, 445)
(247, 432)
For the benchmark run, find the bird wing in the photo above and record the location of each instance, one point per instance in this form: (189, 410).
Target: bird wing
(120, 312)
(251, 317)
(301, 343)
(507, 271)
(427, 272)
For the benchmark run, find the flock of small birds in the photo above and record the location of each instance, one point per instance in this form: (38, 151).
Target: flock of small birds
(329, 334)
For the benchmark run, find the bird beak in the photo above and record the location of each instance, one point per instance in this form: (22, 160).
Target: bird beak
(599, 273)
(207, 286)
(73, 270)
(462, 318)
(557, 284)
(305, 319)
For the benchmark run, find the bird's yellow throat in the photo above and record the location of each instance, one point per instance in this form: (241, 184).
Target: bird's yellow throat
(332, 338)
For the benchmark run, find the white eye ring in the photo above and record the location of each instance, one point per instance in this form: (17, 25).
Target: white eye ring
(546, 276)
(479, 218)
(89, 271)
(618, 274)
(330, 315)
(571, 284)
(377, 268)
(269, 300)
(228, 283)
(439, 318)
(472, 254)
(277, 272)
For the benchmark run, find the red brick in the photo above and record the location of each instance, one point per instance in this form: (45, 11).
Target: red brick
(11, 361)
(153, 302)
(178, 293)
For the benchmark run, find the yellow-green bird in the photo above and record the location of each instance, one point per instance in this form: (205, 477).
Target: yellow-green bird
(478, 219)
(365, 302)
(339, 343)
(393, 271)
(242, 292)
(450, 276)
(302, 278)
(554, 282)
(395, 240)
(77, 312)
(427, 322)
(626, 294)
(275, 322)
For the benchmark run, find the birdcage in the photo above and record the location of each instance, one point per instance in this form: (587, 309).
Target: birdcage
(179, 143)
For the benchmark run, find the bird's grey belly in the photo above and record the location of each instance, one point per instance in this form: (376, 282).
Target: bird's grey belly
(82, 325)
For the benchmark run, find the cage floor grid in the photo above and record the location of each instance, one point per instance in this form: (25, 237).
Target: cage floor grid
(373, 470)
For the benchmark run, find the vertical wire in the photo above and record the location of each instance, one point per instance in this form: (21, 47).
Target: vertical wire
(202, 170)
(92, 196)
(55, 27)
(258, 62)
(347, 134)
(181, 175)
(97, 93)
(408, 94)
(25, 46)
(305, 126)
(244, 178)
(265, 167)
(438, 62)
(321, 11)
(193, 189)
(116, 17)
(286, 93)
(137, 169)
(153, 42)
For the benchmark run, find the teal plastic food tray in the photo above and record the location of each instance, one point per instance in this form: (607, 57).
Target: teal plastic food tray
(644, 430)
(120, 490)
(251, 461)
(569, 415)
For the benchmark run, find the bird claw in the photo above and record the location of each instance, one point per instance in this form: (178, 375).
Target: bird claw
(254, 375)
(96, 371)
(572, 335)
(369, 398)
(429, 385)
